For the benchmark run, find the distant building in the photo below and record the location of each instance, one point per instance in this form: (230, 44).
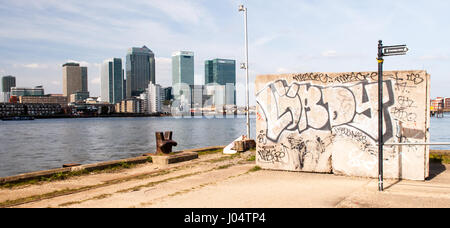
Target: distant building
(183, 67)
(36, 91)
(152, 98)
(112, 81)
(78, 97)
(44, 99)
(168, 93)
(37, 109)
(155, 98)
(197, 96)
(140, 69)
(222, 72)
(4, 97)
(75, 79)
(10, 109)
(131, 105)
(438, 104)
(7, 83)
(40, 109)
(447, 103)
(182, 79)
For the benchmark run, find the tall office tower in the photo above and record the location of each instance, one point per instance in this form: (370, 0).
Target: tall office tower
(222, 72)
(75, 79)
(182, 79)
(7, 83)
(183, 67)
(112, 81)
(140, 67)
(84, 79)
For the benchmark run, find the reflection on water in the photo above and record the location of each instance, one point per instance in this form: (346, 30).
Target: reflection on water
(27, 146)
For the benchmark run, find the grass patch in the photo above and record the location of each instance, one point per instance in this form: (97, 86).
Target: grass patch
(255, 169)
(252, 158)
(225, 166)
(442, 158)
(206, 152)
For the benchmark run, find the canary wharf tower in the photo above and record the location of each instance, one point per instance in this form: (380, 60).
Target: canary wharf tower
(140, 68)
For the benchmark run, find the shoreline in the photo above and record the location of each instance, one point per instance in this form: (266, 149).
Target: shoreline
(5, 118)
(83, 168)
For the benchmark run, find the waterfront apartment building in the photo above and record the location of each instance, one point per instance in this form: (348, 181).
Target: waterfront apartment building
(112, 81)
(153, 98)
(78, 97)
(36, 91)
(131, 105)
(222, 72)
(44, 99)
(7, 83)
(37, 109)
(140, 70)
(75, 79)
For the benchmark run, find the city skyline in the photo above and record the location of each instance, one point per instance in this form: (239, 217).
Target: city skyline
(298, 36)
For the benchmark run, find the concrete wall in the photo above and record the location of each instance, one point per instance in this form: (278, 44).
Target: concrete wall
(328, 123)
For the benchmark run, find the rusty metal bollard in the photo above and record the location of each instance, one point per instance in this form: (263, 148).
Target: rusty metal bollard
(164, 142)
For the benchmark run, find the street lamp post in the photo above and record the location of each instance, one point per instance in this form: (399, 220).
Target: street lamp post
(245, 66)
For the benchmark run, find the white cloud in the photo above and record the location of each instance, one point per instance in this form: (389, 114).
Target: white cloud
(436, 57)
(31, 66)
(182, 11)
(264, 40)
(329, 53)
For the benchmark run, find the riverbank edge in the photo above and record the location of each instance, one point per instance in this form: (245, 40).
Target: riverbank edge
(174, 157)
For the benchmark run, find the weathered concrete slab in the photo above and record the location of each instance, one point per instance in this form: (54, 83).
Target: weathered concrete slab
(174, 158)
(328, 122)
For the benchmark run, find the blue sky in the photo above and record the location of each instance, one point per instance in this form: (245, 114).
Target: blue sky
(285, 36)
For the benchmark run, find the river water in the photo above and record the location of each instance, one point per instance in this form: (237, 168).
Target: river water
(41, 144)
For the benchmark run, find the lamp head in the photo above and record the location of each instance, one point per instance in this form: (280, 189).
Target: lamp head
(241, 8)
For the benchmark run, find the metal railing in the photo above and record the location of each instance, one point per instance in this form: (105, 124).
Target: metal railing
(417, 144)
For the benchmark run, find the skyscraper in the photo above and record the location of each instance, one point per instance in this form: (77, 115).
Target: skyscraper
(222, 72)
(75, 79)
(183, 67)
(112, 81)
(7, 83)
(182, 76)
(140, 67)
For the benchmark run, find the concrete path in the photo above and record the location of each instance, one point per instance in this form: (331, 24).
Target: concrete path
(218, 181)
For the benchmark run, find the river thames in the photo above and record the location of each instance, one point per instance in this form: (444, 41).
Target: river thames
(41, 144)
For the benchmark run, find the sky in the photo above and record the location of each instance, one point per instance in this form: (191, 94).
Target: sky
(285, 36)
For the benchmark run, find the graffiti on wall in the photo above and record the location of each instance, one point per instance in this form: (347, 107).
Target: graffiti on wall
(304, 121)
(303, 106)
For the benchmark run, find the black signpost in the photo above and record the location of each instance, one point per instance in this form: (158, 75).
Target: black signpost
(383, 51)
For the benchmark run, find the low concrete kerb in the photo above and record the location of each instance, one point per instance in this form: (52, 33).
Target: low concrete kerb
(176, 157)
(87, 167)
